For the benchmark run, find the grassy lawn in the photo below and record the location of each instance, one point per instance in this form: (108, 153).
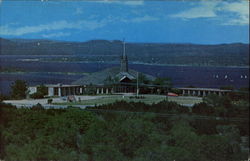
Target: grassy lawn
(149, 99)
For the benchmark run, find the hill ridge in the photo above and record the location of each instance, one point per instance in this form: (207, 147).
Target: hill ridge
(234, 54)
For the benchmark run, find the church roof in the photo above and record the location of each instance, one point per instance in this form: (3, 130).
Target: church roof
(99, 78)
(121, 75)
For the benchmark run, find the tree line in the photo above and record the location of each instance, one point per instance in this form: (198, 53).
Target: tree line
(75, 134)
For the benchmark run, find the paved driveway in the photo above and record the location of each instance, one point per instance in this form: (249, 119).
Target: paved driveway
(44, 102)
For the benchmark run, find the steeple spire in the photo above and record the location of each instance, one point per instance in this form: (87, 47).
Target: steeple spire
(124, 48)
(124, 59)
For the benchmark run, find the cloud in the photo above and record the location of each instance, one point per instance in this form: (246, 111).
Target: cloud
(78, 11)
(133, 3)
(204, 10)
(57, 25)
(59, 34)
(122, 2)
(226, 12)
(143, 19)
(89, 25)
(240, 11)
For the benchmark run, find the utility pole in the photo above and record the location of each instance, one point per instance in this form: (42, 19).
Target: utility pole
(167, 94)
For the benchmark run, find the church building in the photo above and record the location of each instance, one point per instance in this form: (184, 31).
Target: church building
(111, 80)
(114, 80)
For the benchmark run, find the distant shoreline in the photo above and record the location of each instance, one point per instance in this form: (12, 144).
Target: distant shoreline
(180, 65)
(112, 62)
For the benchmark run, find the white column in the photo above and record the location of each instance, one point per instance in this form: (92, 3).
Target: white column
(183, 92)
(107, 91)
(59, 91)
(97, 91)
(199, 93)
(204, 93)
(193, 93)
(188, 92)
(50, 91)
(102, 91)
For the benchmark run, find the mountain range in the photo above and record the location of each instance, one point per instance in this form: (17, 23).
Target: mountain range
(235, 54)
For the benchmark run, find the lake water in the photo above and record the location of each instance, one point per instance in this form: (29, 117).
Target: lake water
(211, 77)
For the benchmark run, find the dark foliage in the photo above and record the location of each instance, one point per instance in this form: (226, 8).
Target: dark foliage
(41, 92)
(75, 134)
(39, 134)
(50, 100)
(203, 109)
(3, 97)
(161, 107)
(37, 95)
(19, 89)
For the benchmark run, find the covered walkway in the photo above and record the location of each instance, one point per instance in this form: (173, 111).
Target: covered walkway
(203, 91)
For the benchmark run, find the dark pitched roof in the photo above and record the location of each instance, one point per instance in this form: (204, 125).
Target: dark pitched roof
(121, 75)
(99, 78)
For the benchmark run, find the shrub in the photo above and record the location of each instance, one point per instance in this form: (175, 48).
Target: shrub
(3, 97)
(37, 107)
(50, 101)
(41, 92)
(37, 95)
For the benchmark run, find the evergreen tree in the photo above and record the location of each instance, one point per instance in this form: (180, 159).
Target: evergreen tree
(19, 89)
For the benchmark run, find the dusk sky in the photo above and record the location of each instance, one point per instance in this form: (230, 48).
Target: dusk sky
(199, 22)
